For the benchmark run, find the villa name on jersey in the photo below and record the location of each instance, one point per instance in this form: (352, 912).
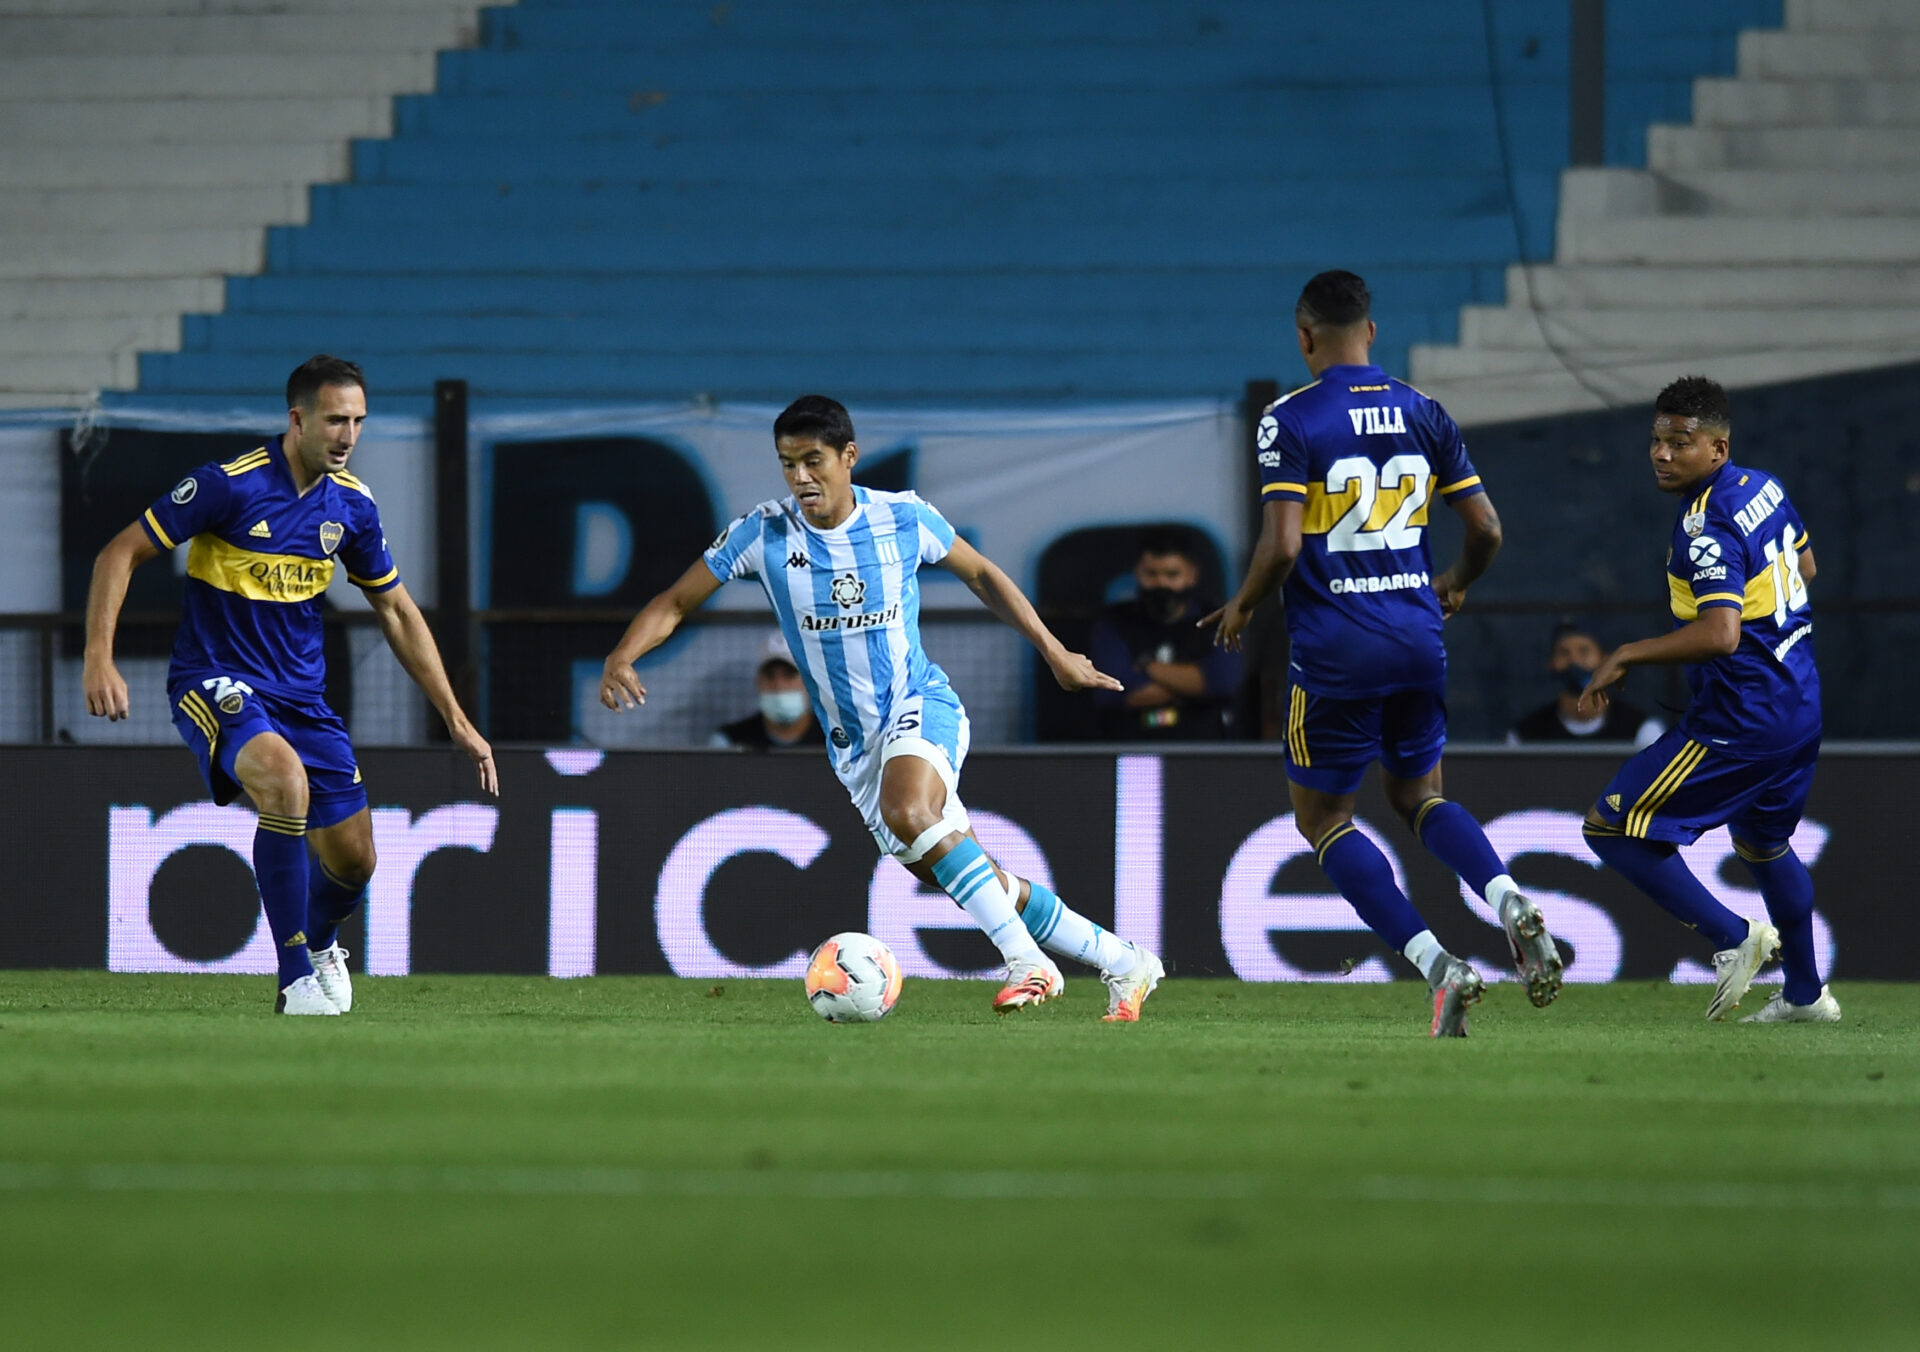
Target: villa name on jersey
(866, 619)
(1390, 582)
(1762, 506)
(1377, 420)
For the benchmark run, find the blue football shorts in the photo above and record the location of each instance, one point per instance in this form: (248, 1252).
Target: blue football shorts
(1679, 788)
(1331, 742)
(218, 714)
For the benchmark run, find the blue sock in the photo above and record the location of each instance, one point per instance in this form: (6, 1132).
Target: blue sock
(329, 901)
(1365, 879)
(1788, 888)
(280, 870)
(1454, 838)
(1662, 874)
(966, 874)
(1042, 913)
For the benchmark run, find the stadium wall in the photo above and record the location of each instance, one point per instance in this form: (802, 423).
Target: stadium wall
(711, 865)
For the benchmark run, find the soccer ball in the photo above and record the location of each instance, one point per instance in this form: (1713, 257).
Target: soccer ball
(852, 978)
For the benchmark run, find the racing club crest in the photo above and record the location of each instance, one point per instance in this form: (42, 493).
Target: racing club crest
(331, 533)
(849, 590)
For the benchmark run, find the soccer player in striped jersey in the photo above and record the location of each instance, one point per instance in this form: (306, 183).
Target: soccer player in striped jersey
(1743, 754)
(1349, 466)
(839, 564)
(247, 679)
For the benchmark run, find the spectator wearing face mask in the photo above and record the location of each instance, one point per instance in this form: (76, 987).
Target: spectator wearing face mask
(1572, 656)
(785, 716)
(1179, 686)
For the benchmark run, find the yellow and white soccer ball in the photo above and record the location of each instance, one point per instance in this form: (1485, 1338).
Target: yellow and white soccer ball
(853, 978)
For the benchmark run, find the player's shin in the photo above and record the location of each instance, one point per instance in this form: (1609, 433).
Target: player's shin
(1453, 837)
(1659, 871)
(967, 875)
(329, 901)
(1788, 889)
(280, 869)
(1059, 928)
(1365, 879)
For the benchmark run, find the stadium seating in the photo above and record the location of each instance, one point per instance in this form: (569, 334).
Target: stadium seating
(941, 200)
(1775, 237)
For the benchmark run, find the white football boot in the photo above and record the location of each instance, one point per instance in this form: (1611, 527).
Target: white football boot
(1824, 1010)
(305, 996)
(1735, 968)
(330, 968)
(1032, 981)
(1125, 994)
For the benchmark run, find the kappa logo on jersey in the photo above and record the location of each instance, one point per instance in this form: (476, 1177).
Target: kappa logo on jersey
(183, 491)
(797, 560)
(1704, 552)
(849, 590)
(332, 533)
(1377, 421)
(228, 693)
(1268, 433)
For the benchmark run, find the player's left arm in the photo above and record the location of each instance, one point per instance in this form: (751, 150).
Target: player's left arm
(1011, 607)
(1273, 559)
(412, 642)
(1807, 570)
(1476, 552)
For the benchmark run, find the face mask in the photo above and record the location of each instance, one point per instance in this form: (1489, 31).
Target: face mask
(783, 706)
(1574, 679)
(1164, 603)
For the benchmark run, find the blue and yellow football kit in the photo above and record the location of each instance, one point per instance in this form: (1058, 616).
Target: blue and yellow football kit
(1366, 455)
(248, 657)
(1743, 753)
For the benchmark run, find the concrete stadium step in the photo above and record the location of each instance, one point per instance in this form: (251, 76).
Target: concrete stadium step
(1828, 193)
(1602, 286)
(146, 333)
(1519, 328)
(25, 210)
(1805, 15)
(1479, 398)
(1889, 54)
(173, 166)
(1791, 103)
(1778, 352)
(197, 121)
(131, 253)
(70, 373)
(1658, 239)
(97, 297)
(1678, 149)
(1117, 241)
(115, 79)
(250, 37)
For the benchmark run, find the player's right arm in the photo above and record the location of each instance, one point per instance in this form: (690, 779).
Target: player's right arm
(620, 687)
(105, 688)
(1273, 559)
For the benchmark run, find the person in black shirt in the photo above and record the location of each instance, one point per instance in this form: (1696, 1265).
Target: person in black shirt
(1573, 656)
(785, 717)
(1179, 686)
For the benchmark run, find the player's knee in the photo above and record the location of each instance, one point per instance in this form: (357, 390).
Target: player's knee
(910, 819)
(1317, 826)
(1595, 819)
(279, 789)
(355, 868)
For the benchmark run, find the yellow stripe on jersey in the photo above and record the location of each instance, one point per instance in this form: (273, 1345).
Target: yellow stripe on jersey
(247, 463)
(1640, 815)
(1325, 508)
(1700, 503)
(346, 480)
(159, 531)
(1297, 728)
(1456, 487)
(391, 574)
(257, 577)
(1801, 543)
(1686, 606)
(1283, 488)
(1288, 395)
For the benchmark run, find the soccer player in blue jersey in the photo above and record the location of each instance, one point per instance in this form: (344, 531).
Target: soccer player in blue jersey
(267, 529)
(1349, 466)
(839, 563)
(1743, 754)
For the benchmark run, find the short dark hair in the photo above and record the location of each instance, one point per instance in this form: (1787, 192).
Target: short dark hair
(815, 415)
(1335, 299)
(1162, 541)
(1568, 629)
(1696, 397)
(315, 373)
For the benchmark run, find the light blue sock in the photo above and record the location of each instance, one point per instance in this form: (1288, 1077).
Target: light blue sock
(966, 874)
(1060, 929)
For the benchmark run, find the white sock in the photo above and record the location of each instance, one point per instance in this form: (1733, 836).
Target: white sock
(1424, 952)
(993, 910)
(1074, 936)
(1498, 890)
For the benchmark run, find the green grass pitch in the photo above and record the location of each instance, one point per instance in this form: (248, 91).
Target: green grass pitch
(483, 1163)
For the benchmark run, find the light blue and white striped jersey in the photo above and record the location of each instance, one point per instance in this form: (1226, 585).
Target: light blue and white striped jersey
(848, 601)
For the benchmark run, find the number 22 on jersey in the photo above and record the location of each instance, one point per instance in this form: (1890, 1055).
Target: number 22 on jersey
(1399, 487)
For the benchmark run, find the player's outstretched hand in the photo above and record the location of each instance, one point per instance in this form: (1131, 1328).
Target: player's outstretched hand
(476, 746)
(1228, 623)
(106, 691)
(1075, 671)
(620, 687)
(1452, 595)
(1593, 700)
